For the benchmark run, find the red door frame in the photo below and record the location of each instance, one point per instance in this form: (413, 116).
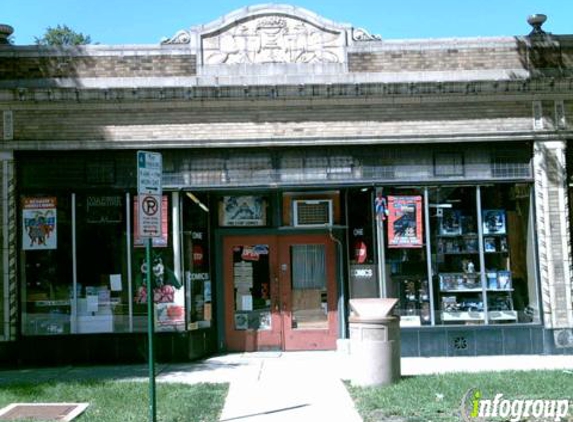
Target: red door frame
(281, 336)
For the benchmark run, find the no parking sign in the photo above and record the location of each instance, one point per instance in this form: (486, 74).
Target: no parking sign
(149, 191)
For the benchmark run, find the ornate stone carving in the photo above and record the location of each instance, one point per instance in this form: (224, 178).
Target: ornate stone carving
(273, 39)
(181, 37)
(359, 34)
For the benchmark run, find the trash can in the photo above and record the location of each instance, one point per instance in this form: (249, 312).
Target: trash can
(374, 342)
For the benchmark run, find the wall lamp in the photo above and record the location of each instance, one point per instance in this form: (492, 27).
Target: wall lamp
(196, 200)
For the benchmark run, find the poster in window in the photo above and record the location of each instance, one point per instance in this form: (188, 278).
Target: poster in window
(167, 294)
(157, 242)
(451, 223)
(405, 222)
(242, 211)
(493, 221)
(39, 223)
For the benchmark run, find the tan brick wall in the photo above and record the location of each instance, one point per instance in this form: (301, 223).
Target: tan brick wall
(447, 59)
(228, 120)
(97, 66)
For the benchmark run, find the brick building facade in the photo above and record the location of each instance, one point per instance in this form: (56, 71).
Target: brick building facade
(306, 163)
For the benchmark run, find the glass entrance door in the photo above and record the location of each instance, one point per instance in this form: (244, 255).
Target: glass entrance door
(280, 293)
(307, 278)
(252, 319)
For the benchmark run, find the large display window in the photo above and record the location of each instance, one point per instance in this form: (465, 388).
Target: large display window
(460, 254)
(47, 263)
(83, 266)
(406, 254)
(101, 290)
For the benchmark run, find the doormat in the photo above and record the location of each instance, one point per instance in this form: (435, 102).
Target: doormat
(42, 411)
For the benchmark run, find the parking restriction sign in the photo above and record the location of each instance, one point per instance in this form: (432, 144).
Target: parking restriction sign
(149, 191)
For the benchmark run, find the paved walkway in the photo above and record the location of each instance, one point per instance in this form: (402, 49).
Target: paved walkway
(277, 386)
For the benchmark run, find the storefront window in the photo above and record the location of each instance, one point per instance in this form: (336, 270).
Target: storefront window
(460, 254)
(76, 252)
(402, 216)
(196, 263)
(102, 290)
(46, 256)
(508, 254)
(483, 255)
(456, 263)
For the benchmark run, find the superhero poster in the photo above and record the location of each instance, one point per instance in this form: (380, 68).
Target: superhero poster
(405, 222)
(39, 223)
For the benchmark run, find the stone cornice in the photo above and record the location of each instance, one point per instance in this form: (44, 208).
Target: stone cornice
(540, 89)
(98, 144)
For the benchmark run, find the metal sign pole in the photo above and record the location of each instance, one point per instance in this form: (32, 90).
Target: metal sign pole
(149, 169)
(150, 324)
(380, 217)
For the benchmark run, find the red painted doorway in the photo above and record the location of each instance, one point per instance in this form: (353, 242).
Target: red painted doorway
(280, 293)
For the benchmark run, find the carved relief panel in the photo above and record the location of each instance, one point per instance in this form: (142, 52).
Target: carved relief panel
(273, 39)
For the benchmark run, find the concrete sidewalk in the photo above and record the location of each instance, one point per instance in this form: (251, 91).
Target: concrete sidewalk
(302, 386)
(279, 386)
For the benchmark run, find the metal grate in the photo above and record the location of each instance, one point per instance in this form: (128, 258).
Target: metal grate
(281, 166)
(205, 171)
(341, 167)
(460, 343)
(313, 212)
(449, 164)
(42, 411)
(255, 168)
(512, 164)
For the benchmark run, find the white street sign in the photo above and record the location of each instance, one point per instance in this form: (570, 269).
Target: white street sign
(149, 168)
(149, 210)
(149, 191)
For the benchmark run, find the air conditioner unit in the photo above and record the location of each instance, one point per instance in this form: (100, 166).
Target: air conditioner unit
(312, 212)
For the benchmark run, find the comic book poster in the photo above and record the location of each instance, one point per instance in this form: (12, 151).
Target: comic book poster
(405, 222)
(242, 211)
(493, 221)
(39, 223)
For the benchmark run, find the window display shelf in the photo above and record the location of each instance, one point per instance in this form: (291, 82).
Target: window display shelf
(474, 290)
(462, 290)
(502, 315)
(459, 253)
(414, 300)
(50, 303)
(456, 316)
(95, 324)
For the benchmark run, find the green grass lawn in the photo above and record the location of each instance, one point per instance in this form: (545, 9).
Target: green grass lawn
(118, 401)
(439, 397)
